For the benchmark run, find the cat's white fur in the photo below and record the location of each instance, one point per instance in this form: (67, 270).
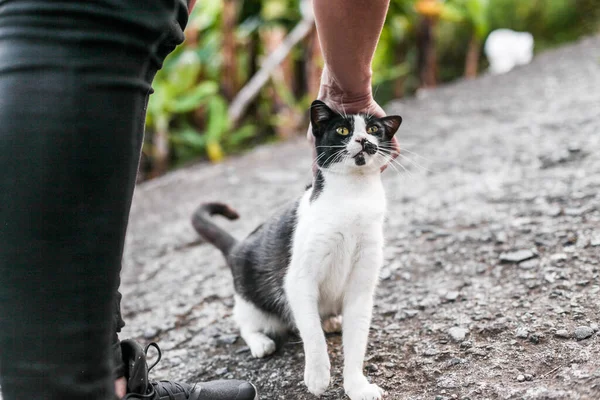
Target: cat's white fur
(336, 257)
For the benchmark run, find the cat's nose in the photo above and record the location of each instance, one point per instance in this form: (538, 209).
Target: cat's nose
(363, 142)
(367, 146)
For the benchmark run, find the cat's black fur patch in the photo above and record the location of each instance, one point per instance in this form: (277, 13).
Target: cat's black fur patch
(260, 262)
(328, 143)
(318, 186)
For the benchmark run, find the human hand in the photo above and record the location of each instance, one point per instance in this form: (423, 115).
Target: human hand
(121, 387)
(338, 100)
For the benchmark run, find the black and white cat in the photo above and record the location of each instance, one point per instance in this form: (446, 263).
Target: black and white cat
(315, 264)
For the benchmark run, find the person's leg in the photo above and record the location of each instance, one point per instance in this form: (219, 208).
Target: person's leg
(171, 38)
(73, 87)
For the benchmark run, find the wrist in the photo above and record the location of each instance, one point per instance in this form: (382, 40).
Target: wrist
(355, 94)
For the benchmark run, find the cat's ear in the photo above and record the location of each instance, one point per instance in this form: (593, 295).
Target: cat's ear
(391, 123)
(319, 114)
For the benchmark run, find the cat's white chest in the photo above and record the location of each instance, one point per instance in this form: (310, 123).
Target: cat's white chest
(334, 228)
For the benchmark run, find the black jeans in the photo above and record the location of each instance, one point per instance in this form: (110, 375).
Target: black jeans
(74, 83)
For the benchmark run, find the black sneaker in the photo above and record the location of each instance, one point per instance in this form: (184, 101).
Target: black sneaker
(138, 386)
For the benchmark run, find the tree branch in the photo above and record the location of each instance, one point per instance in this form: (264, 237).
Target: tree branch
(249, 92)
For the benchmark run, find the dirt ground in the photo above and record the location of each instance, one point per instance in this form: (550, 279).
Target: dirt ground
(491, 285)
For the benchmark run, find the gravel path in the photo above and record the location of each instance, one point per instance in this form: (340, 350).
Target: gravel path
(491, 285)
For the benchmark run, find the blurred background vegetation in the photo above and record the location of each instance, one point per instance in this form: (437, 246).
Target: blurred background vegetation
(205, 108)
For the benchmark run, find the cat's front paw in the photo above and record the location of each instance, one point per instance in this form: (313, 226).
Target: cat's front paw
(316, 376)
(361, 389)
(260, 345)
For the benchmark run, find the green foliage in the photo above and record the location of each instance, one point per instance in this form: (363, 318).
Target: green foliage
(188, 83)
(188, 103)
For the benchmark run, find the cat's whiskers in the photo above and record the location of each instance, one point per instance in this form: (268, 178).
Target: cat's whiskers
(391, 162)
(416, 164)
(340, 158)
(334, 155)
(316, 161)
(394, 168)
(387, 160)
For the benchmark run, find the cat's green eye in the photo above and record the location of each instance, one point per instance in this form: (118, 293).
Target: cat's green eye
(342, 130)
(372, 129)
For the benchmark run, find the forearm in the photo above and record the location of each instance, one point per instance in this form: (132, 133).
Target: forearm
(348, 32)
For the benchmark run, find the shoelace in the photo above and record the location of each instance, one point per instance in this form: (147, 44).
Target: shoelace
(170, 388)
(161, 388)
(165, 387)
(153, 344)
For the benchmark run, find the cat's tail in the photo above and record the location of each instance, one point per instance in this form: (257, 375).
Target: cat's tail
(209, 230)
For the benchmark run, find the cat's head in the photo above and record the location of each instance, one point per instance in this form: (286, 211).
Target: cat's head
(353, 142)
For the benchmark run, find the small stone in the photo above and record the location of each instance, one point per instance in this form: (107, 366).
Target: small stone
(446, 382)
(522, 333)
(372, 368)
(528, 377)
(385, 274)
(481, 268)
(477, 352)
(595, 241)
(456, 361)
(221, 371)
(516, 256)
(594, 327)
(558, 257)
(583, 332)
(554, 210)
(392, 327)
(521, 378)
(529, 264)
(562, 333)
(458, 334)
(411, 313)
(430, 352)
(536, 338)
(400, 316)
(452, 295)
(467, 344)
(501, 237)
(227, 339)
(151, 333)
(577, 211)
(243, 349)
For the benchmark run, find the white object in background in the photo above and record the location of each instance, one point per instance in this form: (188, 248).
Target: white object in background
(505, 49)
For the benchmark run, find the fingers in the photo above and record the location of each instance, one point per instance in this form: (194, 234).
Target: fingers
(121, 387)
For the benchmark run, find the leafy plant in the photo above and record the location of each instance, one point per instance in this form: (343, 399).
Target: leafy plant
(187, 114)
